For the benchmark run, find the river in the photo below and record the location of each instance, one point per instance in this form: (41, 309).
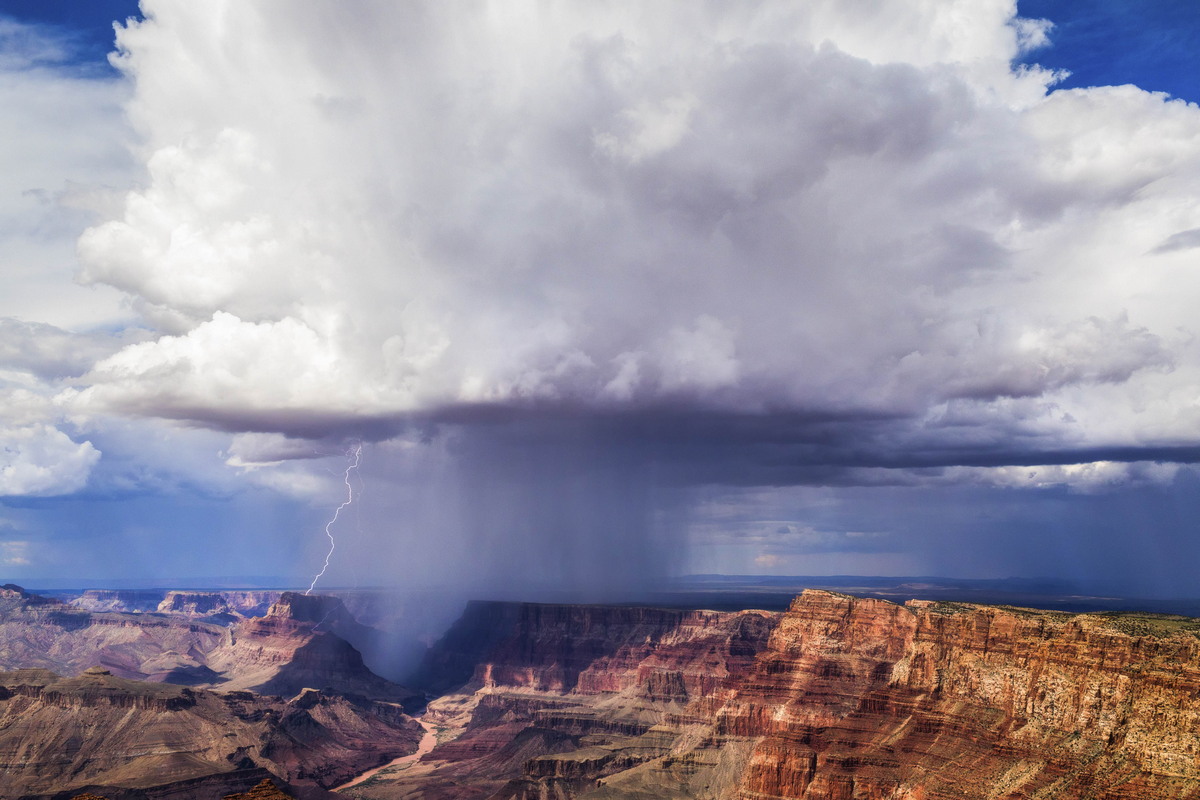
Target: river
(424, 746)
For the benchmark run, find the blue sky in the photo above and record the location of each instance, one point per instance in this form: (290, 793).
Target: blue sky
(1109, 42)
(1100, 42)
(604, 295)
(89, 24)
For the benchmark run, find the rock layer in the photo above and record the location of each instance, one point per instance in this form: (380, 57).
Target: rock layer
(203, 604)
(265, 790)
(861, 698)
(98, 732)
(128, 600)
(293, 647)
(296, 645)
(838, 698)
(564, 696)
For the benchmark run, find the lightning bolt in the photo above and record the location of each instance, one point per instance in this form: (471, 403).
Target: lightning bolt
(329, 525)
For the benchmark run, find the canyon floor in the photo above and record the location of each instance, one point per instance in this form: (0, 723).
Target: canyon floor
(836, 697)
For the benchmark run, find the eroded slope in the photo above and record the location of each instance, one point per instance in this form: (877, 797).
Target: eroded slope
(838, 698)
(294, 646)
(98, 730)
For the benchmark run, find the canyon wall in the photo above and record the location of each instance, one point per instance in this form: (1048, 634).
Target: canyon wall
(44, 634)
(115, 737)
(295, 645)
(245, 603)
(865, 699)
(838, 698)
(559, 697)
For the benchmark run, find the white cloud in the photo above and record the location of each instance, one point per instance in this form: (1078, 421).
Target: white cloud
(41, 460)
(784, 208)
(24, 47)
(64, 151)
(803, 246)
(64, 155)
(1093, 476)
(46, 352)
(701, 356)
(297, 482)
(14, 553)
(250, 450)
(650, 129)
(37, 456)
(277, 365)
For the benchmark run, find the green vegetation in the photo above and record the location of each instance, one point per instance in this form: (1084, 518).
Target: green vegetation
(1056, 616)
(1159, 626)
(948, 607)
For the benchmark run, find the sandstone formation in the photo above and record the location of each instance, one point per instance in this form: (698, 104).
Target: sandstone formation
(836, 699)
(128, 600)
(40, 633)
(203, 604)
(105, 735)
(862, 698)
(291, 648)
(239, 602)
(567, 694)
(362, 619)
(265, 790)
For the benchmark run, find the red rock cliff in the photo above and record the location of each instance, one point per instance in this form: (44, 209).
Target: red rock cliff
(838, 698)
(293, 647)
(864, 699)
(669, 654)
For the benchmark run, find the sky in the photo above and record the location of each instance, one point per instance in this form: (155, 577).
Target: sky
(605, 292)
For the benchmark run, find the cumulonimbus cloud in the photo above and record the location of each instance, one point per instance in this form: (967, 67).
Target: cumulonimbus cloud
(747, 214)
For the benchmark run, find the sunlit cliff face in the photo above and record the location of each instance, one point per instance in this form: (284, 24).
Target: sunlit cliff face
(617, 290)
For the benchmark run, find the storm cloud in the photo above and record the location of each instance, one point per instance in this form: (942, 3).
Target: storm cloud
(751, 211)
(591, 257)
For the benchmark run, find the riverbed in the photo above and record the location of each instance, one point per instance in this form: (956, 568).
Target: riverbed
(427, 743)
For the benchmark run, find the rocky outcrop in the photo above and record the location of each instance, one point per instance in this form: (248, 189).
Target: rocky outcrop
(237, 602)
(839, 698)
(208, 787)
(391, 628)
(567, 695)
(117, 738)
(204, 604)
(127, 600)
(326, 613)
(40, 633)
(11, 594)
(293, 647)
(862, 698)
(592, 649)
(264, 790)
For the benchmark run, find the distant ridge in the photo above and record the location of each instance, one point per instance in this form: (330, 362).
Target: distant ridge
(775, 592)
(213, 582)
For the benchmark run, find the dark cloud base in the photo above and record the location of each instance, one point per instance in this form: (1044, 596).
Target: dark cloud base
(698, 446)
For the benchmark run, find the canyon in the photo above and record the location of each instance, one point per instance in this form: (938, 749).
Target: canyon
(116, 738)
(300, 642)
(836, 698)
(139, 706)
